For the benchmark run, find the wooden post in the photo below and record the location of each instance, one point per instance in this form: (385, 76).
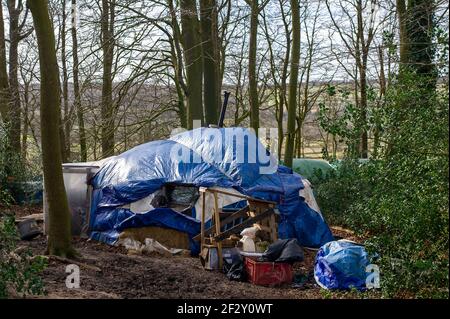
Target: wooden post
(202, 225)
(217, 224)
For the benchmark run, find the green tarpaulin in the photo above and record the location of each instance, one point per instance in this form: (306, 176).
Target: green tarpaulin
(306, 167)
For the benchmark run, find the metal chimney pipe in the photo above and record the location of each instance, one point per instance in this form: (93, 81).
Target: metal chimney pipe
(224, 108)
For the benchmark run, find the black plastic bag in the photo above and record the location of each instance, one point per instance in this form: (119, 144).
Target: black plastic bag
(235, 271)
(284, 250)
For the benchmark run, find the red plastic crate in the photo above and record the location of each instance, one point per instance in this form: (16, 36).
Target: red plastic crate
(268, 273)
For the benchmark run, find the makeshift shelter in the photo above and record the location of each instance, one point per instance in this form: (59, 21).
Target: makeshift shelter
(156, 184)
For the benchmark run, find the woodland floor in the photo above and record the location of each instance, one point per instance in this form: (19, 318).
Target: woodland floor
(118, 275)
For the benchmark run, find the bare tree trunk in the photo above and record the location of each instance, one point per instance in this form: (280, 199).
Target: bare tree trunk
(14, 38)
(5, 99)
(402, 19)
(298, 137)
(383, 85)
(76, 85)
(382, 80)
(416, 48)
(276, 85)
(307, 98)
(107, 109)
(26, 103)
(5, 96)
(283, 89)
(363, 108)
(222, 44)
(421, 51)
(253, 84)
(211, 63)
(293, 83)
(364, 52)
(65, 86)
(193, 59)
(59, 237)
(238, 95)
(358, 45)
(28, 110)
(177, 61)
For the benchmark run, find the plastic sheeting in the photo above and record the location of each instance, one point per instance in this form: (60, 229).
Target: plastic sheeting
(308, 194)
(341, 265)
(223, 200)
(284, 251)
(208, 157)
(308, 167)
(110, 222)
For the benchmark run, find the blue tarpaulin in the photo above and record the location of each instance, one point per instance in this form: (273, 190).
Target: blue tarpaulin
(225, 157)
(341, 265)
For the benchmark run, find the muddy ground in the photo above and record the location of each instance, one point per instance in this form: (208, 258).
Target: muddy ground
(109, 272)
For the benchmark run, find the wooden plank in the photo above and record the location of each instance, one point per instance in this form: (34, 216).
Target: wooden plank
(240, 213)
(217, 224)
(203, 189)
(246, 223)
(38, 217)
(226, 243)
(202, 225)
(243, 212)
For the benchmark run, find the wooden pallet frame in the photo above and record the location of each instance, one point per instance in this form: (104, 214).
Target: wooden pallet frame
(257, 210)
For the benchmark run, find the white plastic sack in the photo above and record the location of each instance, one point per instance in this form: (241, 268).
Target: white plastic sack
(250, 232)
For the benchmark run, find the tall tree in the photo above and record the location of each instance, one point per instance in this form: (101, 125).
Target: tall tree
(211, 59)
(76, 85)
(293, 83)
(280, 86)
(362, 54)
(191, 41)
(107, 107)
(59, 236)
(252, 76)
(5, 97)
(178, 65)
(358, 42)
(307, 94)
(5, 103)
(402, 19)
(255, 9)
(416, 24)
(26, 75)
(65, 86)
(14, 8)
(224, 26)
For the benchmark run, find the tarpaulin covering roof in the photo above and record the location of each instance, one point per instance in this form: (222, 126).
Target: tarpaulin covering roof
(225, 157)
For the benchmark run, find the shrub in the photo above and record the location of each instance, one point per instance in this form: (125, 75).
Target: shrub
(19, 271)
(13, 170)
(339, 189)
(400, 201)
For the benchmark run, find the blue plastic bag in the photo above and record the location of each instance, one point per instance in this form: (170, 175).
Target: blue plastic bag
(341, 265)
